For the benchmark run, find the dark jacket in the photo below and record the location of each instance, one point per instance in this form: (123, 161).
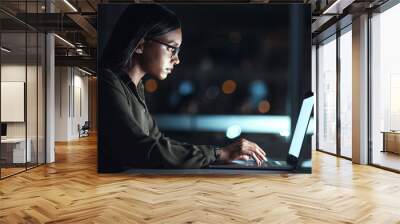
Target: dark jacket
(128, 136)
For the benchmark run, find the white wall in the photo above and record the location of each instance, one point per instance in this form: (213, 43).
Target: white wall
(13, 72)
(61, 103)
(71, 94)
(80, 101)
(17, 73)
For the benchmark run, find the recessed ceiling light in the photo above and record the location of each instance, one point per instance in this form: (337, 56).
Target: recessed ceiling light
(70, 5)
(338, 6)
(84, 71)
(64, 40)
(5, 50)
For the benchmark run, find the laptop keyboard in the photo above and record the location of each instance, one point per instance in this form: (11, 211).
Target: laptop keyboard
(254, 163)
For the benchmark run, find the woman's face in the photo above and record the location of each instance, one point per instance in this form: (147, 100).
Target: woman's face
(158, 58)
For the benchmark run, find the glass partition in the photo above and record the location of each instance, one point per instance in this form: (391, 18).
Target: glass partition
(14, 152)
(385, 89)
(41, 91)
(22, 91)
(327, 95)
(345, 92)
(31, 100)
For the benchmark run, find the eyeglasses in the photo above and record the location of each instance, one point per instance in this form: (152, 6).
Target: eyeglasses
(174, 50)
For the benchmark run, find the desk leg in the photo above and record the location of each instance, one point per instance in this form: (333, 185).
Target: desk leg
(384, 142)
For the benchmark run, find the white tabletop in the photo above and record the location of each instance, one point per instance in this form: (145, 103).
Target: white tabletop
(12, 140)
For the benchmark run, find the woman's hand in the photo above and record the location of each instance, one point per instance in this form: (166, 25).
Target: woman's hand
(242, 149)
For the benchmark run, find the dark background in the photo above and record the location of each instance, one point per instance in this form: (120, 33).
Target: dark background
(264, 49)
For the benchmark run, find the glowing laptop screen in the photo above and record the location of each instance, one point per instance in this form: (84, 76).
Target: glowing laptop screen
(301, 126)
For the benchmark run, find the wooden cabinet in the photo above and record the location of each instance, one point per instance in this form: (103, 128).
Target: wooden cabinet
(391, 141)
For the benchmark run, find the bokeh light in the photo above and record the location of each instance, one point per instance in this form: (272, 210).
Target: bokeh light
(229, 86)
(264, 106)
(173, 99)
(185, 88)
(258, 89)
(151, 86)
(212, 92)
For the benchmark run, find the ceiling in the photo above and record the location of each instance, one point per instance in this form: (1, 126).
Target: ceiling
(75, 21)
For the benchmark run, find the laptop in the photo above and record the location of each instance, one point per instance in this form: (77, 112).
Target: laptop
(3, 131)
(294, 151)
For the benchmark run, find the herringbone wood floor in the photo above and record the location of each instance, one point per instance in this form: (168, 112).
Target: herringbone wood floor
(70, 191)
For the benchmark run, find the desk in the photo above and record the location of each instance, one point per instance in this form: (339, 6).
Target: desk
(13, 150)
(391, 141)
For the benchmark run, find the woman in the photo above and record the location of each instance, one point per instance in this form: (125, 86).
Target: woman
(146, 40)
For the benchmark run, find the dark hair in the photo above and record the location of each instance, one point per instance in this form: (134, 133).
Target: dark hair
(136, 22)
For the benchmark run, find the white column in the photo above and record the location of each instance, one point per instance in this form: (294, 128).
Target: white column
(50, 93)
(50, 109)
(360, 90)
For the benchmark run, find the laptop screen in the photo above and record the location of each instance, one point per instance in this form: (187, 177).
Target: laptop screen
(301, 126)
(3, 129)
